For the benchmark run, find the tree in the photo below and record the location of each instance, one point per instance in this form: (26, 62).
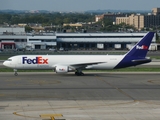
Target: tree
(107, 22)
(28, 29)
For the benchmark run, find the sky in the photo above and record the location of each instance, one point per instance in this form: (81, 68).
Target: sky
(78, 5)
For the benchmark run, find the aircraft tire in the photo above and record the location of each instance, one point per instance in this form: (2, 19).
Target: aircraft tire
(16, 74)
(79, 73)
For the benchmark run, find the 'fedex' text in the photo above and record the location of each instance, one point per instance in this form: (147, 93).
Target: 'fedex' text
(37, 60)
(143, 47)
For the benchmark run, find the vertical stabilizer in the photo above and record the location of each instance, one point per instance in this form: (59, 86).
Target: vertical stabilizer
(137, 55)
(141, 48)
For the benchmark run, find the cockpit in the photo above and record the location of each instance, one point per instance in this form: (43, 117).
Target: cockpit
(9, 60)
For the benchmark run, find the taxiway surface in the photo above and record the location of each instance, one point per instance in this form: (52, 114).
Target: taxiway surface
(113, 96)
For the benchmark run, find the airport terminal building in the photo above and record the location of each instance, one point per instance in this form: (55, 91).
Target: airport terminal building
(69, 41)
(98, 40)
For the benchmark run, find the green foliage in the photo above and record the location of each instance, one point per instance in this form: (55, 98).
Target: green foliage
(45, 18)
(28, 29)
(107, 22)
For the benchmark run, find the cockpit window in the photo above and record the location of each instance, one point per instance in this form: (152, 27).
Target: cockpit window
(9, 60)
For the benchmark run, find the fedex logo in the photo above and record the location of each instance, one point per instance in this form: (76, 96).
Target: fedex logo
(143, 47)
(37, 60)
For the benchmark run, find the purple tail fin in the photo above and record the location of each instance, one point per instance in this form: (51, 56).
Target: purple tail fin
(137, 55)
(141, 48)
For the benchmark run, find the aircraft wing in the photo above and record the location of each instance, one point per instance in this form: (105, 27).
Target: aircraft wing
(83, 65)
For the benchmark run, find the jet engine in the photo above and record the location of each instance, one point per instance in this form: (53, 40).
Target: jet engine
(61, 69)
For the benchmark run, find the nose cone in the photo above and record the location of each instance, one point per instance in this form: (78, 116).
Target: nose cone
(5, 63)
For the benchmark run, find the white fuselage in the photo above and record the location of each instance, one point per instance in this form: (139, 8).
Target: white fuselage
(77, 63)
(50, 61)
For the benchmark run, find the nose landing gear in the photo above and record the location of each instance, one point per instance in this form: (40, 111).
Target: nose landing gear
(15, 72)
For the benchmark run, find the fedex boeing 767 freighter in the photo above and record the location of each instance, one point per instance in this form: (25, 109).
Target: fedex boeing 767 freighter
(77, 63)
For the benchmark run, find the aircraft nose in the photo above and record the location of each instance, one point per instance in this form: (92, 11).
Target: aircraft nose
(5, 63)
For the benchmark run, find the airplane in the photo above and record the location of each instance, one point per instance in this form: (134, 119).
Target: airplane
(62, 64)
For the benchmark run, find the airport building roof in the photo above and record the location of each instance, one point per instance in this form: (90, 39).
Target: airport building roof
(81, 37)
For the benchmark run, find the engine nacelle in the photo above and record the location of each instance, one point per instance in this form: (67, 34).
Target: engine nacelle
(61, 69)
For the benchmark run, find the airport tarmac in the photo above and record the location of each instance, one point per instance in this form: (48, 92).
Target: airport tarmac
(95, 96)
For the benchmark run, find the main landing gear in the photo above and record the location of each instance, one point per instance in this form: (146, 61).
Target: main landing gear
(15, 72)
(79, 73)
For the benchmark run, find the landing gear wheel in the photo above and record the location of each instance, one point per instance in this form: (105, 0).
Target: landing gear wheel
(76, 73)
(79, 73)
(82, 73)
(15, 72)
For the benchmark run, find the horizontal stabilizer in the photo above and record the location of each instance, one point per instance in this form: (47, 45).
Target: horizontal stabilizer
(142, 60)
